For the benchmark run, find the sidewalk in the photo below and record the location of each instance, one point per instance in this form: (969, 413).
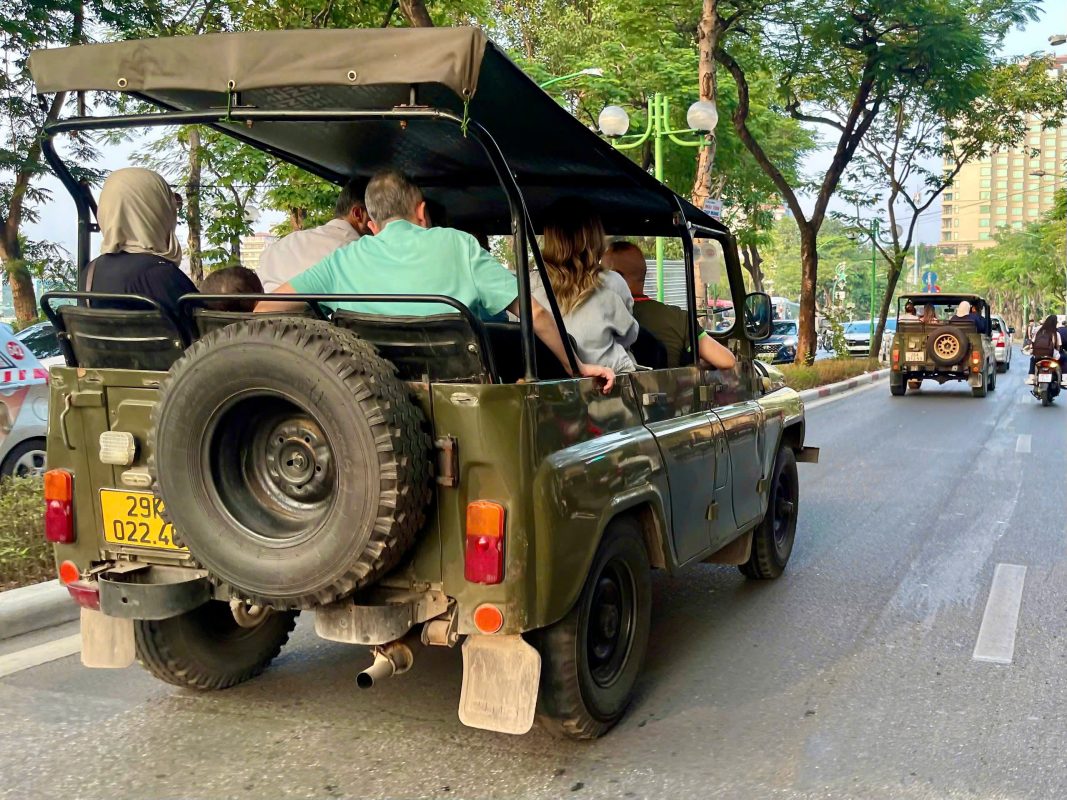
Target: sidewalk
(844, 386)
(31, 608)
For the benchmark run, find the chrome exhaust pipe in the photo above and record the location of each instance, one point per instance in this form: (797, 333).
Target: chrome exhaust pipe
(390, 659)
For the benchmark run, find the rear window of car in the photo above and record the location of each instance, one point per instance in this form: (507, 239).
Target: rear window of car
(42, 341)
(996, 325)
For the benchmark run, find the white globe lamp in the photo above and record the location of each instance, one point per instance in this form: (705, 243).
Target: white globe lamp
(702, 116)
(613, 121)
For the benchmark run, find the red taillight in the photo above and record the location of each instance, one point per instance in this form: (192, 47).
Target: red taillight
(896, 357)
(59, 506)
(484, 560)
(69, 572)
(85, 594)
(488, 618)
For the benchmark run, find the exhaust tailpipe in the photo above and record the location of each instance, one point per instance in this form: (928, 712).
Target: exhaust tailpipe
(389, 659)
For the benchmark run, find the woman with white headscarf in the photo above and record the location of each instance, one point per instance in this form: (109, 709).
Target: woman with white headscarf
(138, 214)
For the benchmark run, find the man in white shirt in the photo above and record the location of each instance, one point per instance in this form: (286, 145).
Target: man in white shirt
(292, 254)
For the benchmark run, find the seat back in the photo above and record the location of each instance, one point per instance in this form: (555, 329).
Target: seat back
(107, 338)
(649, 351)
(206, 320)
(505, 339)
(438, 347)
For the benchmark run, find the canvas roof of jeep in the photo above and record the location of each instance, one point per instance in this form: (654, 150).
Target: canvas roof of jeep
(457, 71)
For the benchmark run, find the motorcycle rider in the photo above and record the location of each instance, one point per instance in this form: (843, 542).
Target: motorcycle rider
(1046, 343)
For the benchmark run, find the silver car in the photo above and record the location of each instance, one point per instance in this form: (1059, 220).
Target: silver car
(1003, 336)
(23, 407)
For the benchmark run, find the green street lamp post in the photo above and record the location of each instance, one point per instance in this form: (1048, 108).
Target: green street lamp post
(596, 72)
(613, 122)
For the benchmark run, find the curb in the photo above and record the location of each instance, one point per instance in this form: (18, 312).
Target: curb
(844, 386)
(31, 608)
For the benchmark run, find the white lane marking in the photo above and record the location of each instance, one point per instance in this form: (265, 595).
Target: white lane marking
(40, 654)
(1022, 444)
(996, 637)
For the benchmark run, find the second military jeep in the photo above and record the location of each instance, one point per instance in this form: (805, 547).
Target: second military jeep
(410, 481)
(941, 348)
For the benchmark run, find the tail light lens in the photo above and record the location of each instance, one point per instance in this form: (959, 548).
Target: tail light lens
(59, 506)
(484, 558)
(896, 357)
(976, 358)
(87, 595)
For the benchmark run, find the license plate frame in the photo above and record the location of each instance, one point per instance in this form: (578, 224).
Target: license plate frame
(913, 358)
(1045, 377)
(134, 519)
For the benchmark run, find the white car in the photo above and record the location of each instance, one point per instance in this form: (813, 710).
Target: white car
(23, 408)
(1003, 336)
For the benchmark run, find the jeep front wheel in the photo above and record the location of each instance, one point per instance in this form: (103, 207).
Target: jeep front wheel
(590, 660)
(207, 648)
(772, 540)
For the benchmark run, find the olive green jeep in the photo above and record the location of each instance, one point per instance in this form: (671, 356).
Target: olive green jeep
(410, 481)
(932, 344)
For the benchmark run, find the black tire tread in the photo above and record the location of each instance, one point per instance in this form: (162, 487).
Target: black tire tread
(402, 445)
(156, 655)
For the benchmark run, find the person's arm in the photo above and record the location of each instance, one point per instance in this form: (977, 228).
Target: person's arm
(545, 328)
(715, 355)
(281, 305)
(314, 280)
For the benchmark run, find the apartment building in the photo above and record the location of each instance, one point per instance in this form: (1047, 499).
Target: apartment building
(1008, 189)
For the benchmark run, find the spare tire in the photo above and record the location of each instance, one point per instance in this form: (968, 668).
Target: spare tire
(947, 346)
(290, 460)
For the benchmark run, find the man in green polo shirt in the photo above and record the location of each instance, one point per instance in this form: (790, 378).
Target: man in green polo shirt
(667, 323)
(406, 256)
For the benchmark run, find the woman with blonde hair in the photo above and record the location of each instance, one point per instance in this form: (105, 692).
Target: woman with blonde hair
(595, 302)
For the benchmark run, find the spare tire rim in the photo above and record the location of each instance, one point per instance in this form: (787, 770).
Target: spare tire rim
(947, 346)
(273, 467)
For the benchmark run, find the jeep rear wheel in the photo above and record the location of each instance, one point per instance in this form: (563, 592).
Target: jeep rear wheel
(772, 541)
(290, 460)
(206, 648)
(590, 660)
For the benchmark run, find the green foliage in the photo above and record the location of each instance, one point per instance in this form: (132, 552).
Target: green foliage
(25, 556)
(821, 373)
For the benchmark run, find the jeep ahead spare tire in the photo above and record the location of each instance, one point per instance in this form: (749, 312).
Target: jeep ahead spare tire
(947, 346)
(290, 460)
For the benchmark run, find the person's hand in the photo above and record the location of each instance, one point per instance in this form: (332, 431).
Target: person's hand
(606, 374)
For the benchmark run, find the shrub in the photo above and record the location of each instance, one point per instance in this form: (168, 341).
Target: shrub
(25, 556)
(821, 373)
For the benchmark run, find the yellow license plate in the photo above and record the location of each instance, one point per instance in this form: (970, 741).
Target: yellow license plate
(133, 519)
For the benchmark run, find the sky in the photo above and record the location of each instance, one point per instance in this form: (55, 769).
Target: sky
(58, 218)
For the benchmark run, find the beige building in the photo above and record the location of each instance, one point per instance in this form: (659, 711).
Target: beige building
(252, 248)
(1009, 189)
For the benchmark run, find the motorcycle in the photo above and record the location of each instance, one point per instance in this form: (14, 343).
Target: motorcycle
(1047, 380)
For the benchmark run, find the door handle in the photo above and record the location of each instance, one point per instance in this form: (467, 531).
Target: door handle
(653, 398)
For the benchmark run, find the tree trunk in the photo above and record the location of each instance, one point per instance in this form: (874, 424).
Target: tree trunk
(19, 279)
(708, 33)
(753, 262)
(896, 267)
(297, 217)
(415, 13)
(809, 270)
(192, 208)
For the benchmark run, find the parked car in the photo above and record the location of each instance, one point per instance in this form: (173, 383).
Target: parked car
(437, 481)
(1003, 337)
(41, 340)
(858, 335)
(23, 408)
(781, 346)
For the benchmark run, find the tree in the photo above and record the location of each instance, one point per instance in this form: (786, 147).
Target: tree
(27, 27)
(836, 65)
(931, 132)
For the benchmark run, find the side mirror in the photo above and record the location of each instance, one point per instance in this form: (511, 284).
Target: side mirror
(757, 316)
(1011, 330)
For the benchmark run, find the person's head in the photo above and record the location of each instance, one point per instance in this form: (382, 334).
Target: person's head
(391, 196)
(627, 259)
(1049, 324)
(963, 309)
(573, 244)
(350, 207)
(138, 213)
(909, 307)
(232, 280)
(929, 313)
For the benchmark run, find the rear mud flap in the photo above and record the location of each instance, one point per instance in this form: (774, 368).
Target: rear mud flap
(107, 642)
(501, 675)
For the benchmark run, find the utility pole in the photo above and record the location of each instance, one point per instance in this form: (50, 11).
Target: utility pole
(874, 264)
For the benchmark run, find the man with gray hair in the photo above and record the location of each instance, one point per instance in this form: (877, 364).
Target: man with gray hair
(293, 254)
(407, 256)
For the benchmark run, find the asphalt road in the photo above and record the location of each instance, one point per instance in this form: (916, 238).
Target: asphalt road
(853, 676)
